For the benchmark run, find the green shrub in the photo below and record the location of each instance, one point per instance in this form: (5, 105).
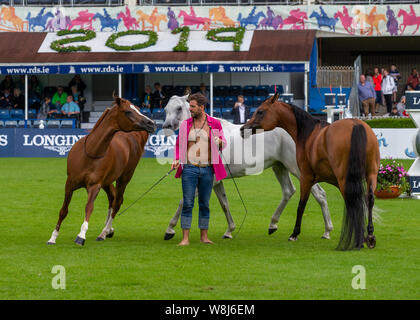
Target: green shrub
(391, 123)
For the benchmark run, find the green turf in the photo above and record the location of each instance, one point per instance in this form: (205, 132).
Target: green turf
(138, 264)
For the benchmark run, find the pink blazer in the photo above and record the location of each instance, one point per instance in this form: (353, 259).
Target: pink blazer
(182, 145)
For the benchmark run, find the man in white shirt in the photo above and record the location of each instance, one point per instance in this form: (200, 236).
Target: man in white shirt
(240, 112)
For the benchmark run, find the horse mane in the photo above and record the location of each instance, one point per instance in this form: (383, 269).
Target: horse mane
(305, 123)
(101, 118)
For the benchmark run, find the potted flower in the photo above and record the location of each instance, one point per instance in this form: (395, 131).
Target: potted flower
(392, 180)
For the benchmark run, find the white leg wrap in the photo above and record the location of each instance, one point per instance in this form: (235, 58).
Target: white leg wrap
(83, 230)
(53, 236)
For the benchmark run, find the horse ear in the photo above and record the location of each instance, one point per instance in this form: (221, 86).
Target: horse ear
(275, 97)
(116, 98)
(186, 97)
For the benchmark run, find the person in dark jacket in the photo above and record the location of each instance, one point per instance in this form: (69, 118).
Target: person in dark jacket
(240, 112)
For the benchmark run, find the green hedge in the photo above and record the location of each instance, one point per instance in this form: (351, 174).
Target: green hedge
(391, 123)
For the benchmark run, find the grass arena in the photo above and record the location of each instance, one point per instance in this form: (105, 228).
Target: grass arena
(138, 264)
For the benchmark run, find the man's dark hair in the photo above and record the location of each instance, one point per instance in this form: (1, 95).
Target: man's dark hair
(157, 84)
(201, 99)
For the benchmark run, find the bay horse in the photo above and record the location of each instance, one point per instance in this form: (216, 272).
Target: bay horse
(344, 154)
(110, 152)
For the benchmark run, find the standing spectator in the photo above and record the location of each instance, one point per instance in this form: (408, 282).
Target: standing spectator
(377, 81)
(70, 108)
(394, 73)
(157, 97)
(77, 81)
(7, 83)
(388, 85)
(46, 110)
(147, 96)
(18, 99)
(187, 91)
(367, 96)
(413, 79)
(240, 112)
(6, 99)
(78, 98)
(59, 98)
(35, 91)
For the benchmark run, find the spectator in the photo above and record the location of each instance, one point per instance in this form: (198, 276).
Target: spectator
(369, 76)
(47, 109)
(394, 112)
(394, 73)
(7, 83)
(70, 108)
(59, 98)
(367, 96)
(204, 92)
(413, 79)
(401, 107)
(157, 97)
(18, 99)
(35, 91)
(377, 81)
(6, 100)
(147, 96)
(388, 85)
(240, 112)
(78, 98)
(77, 81)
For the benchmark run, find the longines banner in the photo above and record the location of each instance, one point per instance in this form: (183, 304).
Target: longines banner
(58, 142)
(361, 20)
(395, 143)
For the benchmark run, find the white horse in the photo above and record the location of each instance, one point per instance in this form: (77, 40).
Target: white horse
(279, 153)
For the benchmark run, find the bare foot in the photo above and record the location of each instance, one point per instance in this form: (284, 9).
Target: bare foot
(206, 241)
(184, 243)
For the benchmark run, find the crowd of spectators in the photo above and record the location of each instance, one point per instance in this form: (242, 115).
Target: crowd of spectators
(50, 102)
(379, 87)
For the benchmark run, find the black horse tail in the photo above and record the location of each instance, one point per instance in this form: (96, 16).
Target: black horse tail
(353, 228)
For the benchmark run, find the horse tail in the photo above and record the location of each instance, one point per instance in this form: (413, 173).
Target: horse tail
(352, 232)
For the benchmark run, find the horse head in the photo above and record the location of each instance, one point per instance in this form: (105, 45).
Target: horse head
(97, 16)
(265, 117)
(314, 14)
(127, 117)
(401, 13)
(177, 110)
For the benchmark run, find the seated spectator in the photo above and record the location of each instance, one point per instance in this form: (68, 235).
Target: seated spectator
(7, 83)
(394, 112)
(6, 99)
(47, 109)
(401, 107)
(18, 99)
(240, 112)
(78, 82)
(70, 108)
(157, 97)
(147, 96)
(35, 91)
(78, 98)
(59, 98)
(413, 79)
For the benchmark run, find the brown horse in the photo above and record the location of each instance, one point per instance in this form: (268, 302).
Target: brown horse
(344, 154)
(109, 153)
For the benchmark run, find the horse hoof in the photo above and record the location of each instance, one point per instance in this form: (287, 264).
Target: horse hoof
(50, 243)
(100, 239)
(226, 237)
(271, 231)
(79, 241)
(371, 242)
(293, 238)
(325, 237)
(169, 236)
(110, 235)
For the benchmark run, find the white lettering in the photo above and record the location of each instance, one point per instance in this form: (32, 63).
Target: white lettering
(3, 140)
(359, 280)
(59, 281)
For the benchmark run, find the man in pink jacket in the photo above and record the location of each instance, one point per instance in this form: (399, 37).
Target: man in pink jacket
(197, 160)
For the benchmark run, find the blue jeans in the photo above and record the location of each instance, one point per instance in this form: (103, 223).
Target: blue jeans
(192, 178)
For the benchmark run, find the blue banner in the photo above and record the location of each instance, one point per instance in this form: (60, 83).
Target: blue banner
(415, 184)
(96, 68)
(412, 99)
(25, 69)
(169, 68)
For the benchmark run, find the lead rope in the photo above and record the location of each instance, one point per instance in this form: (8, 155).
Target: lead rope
(236, 186)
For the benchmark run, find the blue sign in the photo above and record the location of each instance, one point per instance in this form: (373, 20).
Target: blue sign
(19, 70)
(96, 68)
(415, 184)
(257, 67)
(412, 99)
(170, 68)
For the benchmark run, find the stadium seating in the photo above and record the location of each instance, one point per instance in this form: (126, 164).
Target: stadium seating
(53, 124)
(221, 91)
(230, 101)
(258, 100)
(218, 102)
(1, 124)
(249, 91)
(262, 90)
(21, 124)
(4, 114)
(67, 124)
(10, 124)
(17, 114)
(31, 113)
(249, 101)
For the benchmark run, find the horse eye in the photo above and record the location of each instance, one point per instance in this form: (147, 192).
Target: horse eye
(127, 113)
(179, 108)
(260, 112)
